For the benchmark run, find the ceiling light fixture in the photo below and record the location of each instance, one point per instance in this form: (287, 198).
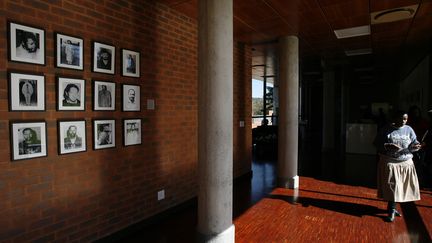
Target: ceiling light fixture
(395, 14)
(358, 52)
(352, 32)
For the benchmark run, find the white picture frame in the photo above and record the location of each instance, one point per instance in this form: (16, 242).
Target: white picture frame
(26, 92)
(104, 95)
(131, 97)
(132, 132)
(28, 140)
(69, 52)
(104, 134)
(70, 94)
(103, 58)
(72, 136)
(26, 44)
(131, 63)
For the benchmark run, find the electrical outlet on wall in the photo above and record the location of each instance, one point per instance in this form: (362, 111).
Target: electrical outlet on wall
(150, 104)
(161, 195)
(242, 124)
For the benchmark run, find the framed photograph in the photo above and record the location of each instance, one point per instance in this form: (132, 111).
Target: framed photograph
(26, 44)
(26, 92)
(28, 140)
(70, 94)
(103, 58)
(103, 134)
(130, 63)
(103, 96)
(69, 52)
(131, 97)
(72, 136)
(131, 132)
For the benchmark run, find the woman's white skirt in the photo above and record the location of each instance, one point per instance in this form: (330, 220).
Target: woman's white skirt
(397, 181)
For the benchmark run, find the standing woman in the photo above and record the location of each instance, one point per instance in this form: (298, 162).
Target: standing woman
(397, 177)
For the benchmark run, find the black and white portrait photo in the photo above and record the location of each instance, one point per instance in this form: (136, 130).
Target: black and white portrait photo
(26, 44)
(72, 136)
(70, 94)
(104, 134)
(69, 52)
(131, 97)
(104, 95)
(26, 92)
(28, 140)
(131, 132)
(103, 58)
(130, 63)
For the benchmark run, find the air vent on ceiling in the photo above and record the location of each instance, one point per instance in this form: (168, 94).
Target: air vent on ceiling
(395, 14)
(352, 32)
(358, 52)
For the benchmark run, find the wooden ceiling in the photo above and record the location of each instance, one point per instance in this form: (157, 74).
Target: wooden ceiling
(261, 22)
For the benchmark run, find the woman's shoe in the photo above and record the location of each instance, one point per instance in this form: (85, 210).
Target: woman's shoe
(391, 216)
(397, 213)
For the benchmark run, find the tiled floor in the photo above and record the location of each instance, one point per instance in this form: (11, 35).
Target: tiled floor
(323, 211)
(319, 211)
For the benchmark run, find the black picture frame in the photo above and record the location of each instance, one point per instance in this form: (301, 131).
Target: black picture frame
(132, 131)
(104, 95)
(131, 63)
(68, 143)
(67, 90)
(28, 139)
(26, 43)
(26, 91)
(69, 51)
(103, 58)
(104, 131)
(131, 97)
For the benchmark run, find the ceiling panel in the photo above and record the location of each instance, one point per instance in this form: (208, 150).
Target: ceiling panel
(274, 27)
(379, 5)
(262, 22)
(347, 14)
(291, 7)
(253, 11)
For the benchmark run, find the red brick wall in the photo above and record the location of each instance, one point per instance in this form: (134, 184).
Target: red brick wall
(85, 196)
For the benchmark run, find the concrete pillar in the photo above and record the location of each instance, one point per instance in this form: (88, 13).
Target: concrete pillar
(215, 121)
(288, 112)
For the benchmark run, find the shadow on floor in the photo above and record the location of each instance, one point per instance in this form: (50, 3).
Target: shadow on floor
(353, 209)
(415, 225)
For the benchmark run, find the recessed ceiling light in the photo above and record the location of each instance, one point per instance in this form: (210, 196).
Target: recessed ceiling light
(352, 32)
(358, 52)
(395, 14)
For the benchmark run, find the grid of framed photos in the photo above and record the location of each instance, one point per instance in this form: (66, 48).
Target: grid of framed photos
(27, 92)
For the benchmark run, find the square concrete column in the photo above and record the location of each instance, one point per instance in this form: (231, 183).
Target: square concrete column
(215, 121)
(288, 112)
